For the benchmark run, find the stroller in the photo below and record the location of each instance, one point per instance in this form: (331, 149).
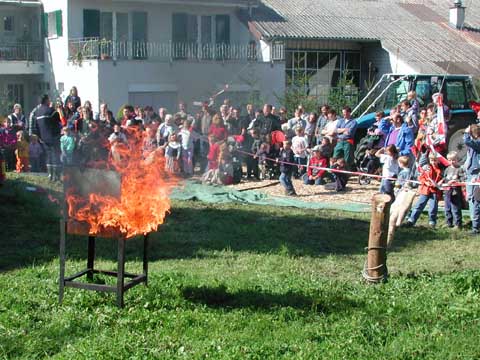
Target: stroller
(370, 165)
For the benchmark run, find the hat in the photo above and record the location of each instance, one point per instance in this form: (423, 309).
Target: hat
(317, 148)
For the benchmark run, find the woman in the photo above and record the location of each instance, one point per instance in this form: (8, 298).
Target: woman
(217, 128)
(74, 98)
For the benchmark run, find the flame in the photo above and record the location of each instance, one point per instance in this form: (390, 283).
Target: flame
(144, 193)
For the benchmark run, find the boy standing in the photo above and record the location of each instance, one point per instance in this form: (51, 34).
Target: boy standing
(430, 180)
(286, 167)
(453, 194)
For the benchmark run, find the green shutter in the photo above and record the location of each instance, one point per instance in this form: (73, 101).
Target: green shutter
(179, 28)
(45, 25)
(222, 27)
(59, 22)
(91, 23)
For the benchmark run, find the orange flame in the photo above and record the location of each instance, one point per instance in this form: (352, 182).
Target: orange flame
(144, 193)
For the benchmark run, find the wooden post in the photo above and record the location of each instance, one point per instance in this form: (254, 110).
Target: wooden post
(376, 267)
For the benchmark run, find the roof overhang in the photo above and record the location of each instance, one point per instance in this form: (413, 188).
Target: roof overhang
(22, 3)
(222, 3)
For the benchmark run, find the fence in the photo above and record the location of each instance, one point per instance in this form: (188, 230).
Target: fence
(95, 48)
(21, 51)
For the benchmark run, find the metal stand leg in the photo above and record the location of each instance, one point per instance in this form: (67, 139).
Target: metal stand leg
(120, 272)
(63, 228)
(91, 257)
(145, 258)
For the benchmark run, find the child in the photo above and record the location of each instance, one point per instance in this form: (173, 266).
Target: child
(67, 146)
(261, 156)
(310, 128)
(172, 155)
(286, 168)
(388, 157)
(213, 152)
(187, 147)
(149, 142)
(341, 179)
(453, 194)
(252, 162)
(315, 175)
(21, 152)
(430, 179)
(299, 147)
(35, 151)
(403, 173)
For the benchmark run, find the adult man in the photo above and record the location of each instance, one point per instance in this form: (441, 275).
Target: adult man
(162, 113)
(251, 113)
(47, 127)
(321, 122)
(296, 121)
(267, 122)
(471, 138)
(234, 124)
(346, 128)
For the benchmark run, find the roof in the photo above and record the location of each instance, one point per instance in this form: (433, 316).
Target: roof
(416, 31)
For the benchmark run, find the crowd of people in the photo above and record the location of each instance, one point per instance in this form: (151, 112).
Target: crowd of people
(227, 145)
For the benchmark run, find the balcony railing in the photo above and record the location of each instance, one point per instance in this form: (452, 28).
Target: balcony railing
(21, 51)
(84, 49)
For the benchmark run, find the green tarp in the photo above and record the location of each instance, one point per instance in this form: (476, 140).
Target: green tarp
(194, 190)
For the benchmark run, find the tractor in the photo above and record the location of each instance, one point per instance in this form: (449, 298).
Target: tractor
(391, 89)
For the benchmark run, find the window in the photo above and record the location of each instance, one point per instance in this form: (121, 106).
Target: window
(8, 24)
(91, 23)
(16, 93)
(222, 29)
(456, 96)
(396, 93)
(197, 35)
(53, 23)
(317, 72)
(139, 34)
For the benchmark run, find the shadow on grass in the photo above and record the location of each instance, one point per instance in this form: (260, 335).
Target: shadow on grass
(220, 297)
(30, 231)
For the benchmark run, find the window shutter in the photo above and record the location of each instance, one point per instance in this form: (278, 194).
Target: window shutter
(222, 27)
(91, 23)
(45, 25)
(179, 28)
(59, 22)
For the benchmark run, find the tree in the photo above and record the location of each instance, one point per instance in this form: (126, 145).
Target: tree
(297, 93)
(346, 93)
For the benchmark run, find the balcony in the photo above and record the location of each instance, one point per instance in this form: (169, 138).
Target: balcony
(85, 49)
(21, 51)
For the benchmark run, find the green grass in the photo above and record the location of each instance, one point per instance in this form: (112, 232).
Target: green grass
(238, 282)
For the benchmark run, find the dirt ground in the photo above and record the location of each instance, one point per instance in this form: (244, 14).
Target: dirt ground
(355, 193)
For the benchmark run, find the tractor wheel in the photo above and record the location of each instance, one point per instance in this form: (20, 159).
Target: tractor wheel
(455, 143)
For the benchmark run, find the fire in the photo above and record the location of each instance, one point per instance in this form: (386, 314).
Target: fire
(143, 201)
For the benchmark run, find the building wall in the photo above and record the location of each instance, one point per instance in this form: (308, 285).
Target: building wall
(185, 81)
(26, 23)
(30, 85)
(159, 17)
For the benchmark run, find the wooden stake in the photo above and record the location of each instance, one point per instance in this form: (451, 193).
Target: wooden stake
(376, 269)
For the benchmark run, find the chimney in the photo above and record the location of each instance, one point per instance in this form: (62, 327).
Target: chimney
(457, 15)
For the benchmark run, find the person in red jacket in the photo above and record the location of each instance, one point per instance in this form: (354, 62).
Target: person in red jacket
(430, 180)
(315, 175)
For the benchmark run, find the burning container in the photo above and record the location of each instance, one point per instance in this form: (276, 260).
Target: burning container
(87, 191)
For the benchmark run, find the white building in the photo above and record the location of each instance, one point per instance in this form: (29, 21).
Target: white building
(21, 53)
(157, 52)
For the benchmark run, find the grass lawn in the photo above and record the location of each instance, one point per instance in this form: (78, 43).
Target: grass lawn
(238, 282)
